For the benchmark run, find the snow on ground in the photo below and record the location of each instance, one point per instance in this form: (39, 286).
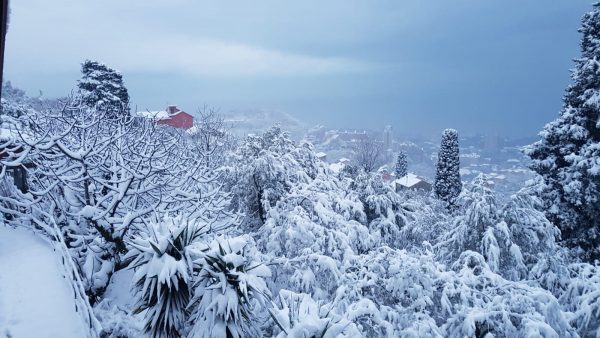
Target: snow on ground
(35, 299)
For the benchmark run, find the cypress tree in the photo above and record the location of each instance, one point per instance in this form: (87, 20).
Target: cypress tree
(401, 165)
(447, 185)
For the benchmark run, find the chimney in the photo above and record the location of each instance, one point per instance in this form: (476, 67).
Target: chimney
(172, 109)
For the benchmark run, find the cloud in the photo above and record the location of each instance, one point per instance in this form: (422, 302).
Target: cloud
(48, 40)
(210, 57)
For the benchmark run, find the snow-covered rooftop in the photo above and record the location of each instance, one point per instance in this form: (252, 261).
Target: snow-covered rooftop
(158, 115)
(409, 180)
(336, 167)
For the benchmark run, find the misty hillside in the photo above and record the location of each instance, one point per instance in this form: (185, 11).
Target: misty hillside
(247, 122)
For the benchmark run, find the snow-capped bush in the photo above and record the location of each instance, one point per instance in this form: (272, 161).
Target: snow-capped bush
(429, 220)
(478, 302)
(384, 209)
(298, 315)
(385, 290)
(265, 168)
(582, 297)
(310, 232)
(512, 238)
(117, 322)
(230, 291)
(163, 262)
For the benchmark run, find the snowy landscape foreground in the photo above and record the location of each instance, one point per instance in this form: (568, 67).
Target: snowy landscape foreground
(35, 299)
(116, 223)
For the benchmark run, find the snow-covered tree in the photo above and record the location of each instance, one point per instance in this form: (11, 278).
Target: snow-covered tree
(447, 185)
(265, 167)
(101, 88)
(368, 153)
(512, 238)
(582, 297)
(211, 134)
(384, 208)
(568, 154)
(104, 178)
(401, 168)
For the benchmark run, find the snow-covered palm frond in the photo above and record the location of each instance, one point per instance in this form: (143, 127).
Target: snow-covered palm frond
(300, 316)
(163, 259)
(230, 291)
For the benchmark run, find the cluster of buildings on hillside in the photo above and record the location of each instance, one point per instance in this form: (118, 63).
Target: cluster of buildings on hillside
(409, 182)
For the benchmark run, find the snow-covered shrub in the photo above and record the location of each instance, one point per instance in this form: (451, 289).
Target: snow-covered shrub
(117, 322)
(315, 217)
(385, 290)
(582, 297)
(383, 207)
(163, 259)
(429, 219)
(512, 238)
(389, 292)
(312, 230)
(230, 291)
(298, 315)
(265, 168)
(476, 226)
(534, 238)
(477, 302)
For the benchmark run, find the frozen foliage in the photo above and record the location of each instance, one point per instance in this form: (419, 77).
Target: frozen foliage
(447, 184)
(479, 303)
(311, 231)
(230, 291)
(163, 260)
(401, 168)
(300, 316)
(512, 238)
(385, 211)
(101, 89)
(101, 178)
(568, 154)
(582, 296)
(390, 293)
(264, 169)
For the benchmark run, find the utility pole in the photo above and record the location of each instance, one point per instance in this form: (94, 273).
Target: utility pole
(3, 27)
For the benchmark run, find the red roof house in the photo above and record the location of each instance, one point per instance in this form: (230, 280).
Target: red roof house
(171, 117)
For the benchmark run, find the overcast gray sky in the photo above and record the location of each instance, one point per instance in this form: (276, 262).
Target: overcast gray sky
(477, 65)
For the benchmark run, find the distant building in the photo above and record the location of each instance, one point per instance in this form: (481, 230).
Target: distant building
(322, 156)
(338, 166)
(411, 182)
(351, 136)
(172, 116)
(387, 137)
(344, 161)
